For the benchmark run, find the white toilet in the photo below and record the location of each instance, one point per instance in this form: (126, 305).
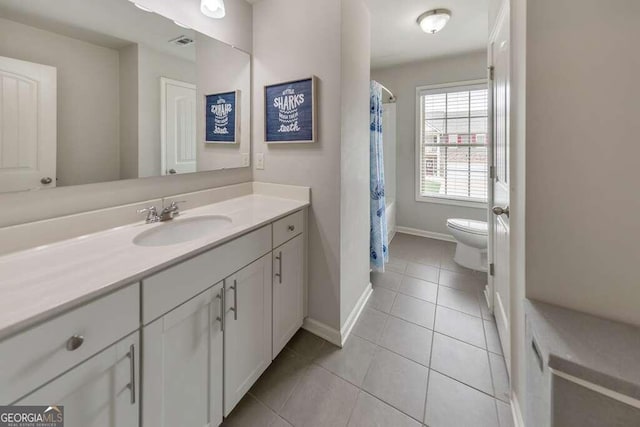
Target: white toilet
(471, 238)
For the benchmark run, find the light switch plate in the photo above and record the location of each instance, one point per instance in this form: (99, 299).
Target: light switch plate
(245, 159)
(260, 161)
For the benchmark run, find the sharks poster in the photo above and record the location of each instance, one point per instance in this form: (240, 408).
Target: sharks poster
(290, 111)
(221, 117)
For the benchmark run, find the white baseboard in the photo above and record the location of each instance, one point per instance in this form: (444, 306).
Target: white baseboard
(355, 314)
(518, 421)
(323, 331)
(334, 336)
(425, 233)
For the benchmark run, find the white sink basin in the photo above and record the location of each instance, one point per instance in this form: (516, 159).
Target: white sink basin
(182, 230)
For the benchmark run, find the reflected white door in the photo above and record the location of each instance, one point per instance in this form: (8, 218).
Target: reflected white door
(27, 125)
(178, 126)
(499, 46)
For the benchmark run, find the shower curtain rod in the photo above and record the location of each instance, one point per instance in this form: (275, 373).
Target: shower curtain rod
(393, 97)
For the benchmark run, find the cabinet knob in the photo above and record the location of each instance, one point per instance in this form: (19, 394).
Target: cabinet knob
(46, 180)
(291, 227)
(74, 342)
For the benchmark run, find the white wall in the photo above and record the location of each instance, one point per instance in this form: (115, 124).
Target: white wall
(151, 66)
(31, 206)
(222, 69)
(402, 81)
(88, 99)
(354, 160)
(129, 111)
(389, 136)
(582, 175)
(295, 39)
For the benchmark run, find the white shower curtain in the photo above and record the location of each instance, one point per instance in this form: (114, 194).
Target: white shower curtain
(378, 251)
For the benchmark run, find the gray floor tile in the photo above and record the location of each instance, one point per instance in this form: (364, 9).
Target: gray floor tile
(397, 264)
(381, 299)
(372, 412)
(462, 361)
(250, 412)
(466, 302)
(493, 339)
(505, 416)
(305, 344)
(453, 404)
(424, 272)
(462, 281)
(414, 310)
(430, 258)
(388, 279)
(407, 339)
(447, 263)
(397, 381)
(350, 362)
(419, 289)
(370, 325)
(277, 383)
(320, 399)
(459, 325)
(280, 422)
(500, 377)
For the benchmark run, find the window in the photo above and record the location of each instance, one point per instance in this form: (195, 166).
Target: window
(452, 143)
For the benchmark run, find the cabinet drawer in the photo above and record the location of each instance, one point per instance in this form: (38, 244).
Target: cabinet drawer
(175, 285)
(287, 228)
(32, 358)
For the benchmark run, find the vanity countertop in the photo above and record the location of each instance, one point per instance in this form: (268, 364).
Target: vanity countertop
(39, 283)
(600, 351)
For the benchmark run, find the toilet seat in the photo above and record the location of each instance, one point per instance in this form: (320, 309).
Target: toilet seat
(469, 226)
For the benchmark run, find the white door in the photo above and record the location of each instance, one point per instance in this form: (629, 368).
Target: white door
(287, 292)
(499, 45)
(178, 117)
(247, 335)
(100, 392)
(27, 125)
(183, 364)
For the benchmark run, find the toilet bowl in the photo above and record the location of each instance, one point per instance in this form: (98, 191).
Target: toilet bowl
(471, 238)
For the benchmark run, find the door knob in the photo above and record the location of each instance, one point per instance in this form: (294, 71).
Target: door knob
(498, 210)
(46, 180)
(172, 171)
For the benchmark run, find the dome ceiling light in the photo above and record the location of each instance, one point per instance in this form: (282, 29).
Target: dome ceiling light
(213, 8)
(434, 20)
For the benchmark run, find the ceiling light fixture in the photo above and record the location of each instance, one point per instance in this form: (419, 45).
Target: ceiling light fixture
(434, 20)
(146, 9)
(213, 8)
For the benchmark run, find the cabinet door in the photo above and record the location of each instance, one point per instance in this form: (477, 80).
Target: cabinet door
(287, 292)
(182, 351)
(100, 392)
(247, 337)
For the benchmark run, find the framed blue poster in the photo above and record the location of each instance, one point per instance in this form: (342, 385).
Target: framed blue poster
(290, 111)
(222, 118)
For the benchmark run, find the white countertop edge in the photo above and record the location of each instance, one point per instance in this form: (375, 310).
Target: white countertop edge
(8, 329)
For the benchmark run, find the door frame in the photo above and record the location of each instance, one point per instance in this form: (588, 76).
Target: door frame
(164, 81)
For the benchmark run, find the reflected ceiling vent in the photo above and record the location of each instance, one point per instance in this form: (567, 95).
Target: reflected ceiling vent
(182, 41)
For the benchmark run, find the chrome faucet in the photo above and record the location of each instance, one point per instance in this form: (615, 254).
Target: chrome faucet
(152, 214)
(170, 211)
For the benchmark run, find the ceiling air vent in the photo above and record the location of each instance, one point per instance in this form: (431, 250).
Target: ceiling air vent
(182, 41)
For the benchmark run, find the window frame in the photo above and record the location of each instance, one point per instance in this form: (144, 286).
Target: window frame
(435, 89)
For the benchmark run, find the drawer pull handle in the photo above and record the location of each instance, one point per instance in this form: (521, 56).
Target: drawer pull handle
(235, 299)
(132, 371)
(74, 342)
(220, 318)
(279, 273)
(291, 228)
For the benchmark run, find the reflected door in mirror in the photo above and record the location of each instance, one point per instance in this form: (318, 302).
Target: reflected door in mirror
(28, 131)
(179, 126)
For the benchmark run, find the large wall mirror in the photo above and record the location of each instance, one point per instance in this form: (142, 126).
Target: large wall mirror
(100, 90)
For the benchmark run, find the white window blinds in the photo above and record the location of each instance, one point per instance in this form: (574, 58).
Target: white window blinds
(453, 153)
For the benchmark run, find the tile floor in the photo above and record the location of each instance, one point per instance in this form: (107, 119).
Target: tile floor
(425, 351)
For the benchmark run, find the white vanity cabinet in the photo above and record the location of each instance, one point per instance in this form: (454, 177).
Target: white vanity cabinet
(288, 281)
(247, 335)
(102, 391)
(183, 364)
